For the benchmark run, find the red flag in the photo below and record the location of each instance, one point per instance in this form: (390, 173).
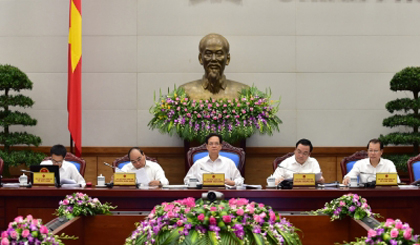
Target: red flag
(74, 89)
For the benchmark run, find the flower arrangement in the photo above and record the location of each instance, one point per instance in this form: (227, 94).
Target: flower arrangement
(79, 204)
(232, 222)
(28, 231)
(237, 119)
(391, 232)
(350, 204)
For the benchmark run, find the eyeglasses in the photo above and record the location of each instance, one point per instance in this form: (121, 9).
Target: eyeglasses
(214, 144)
(304, 153)
(373, 151)
(57, 162)
(136, 160)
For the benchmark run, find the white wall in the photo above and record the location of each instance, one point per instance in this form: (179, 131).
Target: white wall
(330, 61)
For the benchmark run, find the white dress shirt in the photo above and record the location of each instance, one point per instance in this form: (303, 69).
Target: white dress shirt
(68, 171)
(220, 165)
(311, 165)
(153, 170)
(364, 166)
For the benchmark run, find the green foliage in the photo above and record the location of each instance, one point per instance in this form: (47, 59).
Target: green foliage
(80, 204)
(407, 79)
(252, 112)
(14, 158)
(13, 79)
(400, 160)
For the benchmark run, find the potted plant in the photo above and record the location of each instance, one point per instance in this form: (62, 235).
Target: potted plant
(407, 79)
(12, 80)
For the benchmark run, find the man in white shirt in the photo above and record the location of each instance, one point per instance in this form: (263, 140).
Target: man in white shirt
(367, 168)
(138, 161)
(215, 163)
(300, 162)
(67, 170)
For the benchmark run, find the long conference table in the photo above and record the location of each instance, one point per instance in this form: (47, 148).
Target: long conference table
(390, 202)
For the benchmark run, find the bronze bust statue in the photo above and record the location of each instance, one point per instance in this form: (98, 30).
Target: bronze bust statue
(214, 56)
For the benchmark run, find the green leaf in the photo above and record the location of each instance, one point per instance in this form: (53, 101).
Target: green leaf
(172, 237)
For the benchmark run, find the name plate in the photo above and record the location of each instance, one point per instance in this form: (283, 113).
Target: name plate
(42, 178)
(307, 179)
(124, 179)
(213, 179)
(386, 179)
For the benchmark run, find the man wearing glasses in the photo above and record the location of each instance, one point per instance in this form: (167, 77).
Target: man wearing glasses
(67, 170)
(215, 163)
(300, 162)
(367, 168)
(138, 161)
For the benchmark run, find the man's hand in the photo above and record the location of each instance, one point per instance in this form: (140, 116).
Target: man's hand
(321, 180)
(229, 182)
(346, 180)
(279, 180)
(154, 183)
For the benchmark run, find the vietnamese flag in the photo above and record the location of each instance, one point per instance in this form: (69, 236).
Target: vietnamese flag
(74, 90)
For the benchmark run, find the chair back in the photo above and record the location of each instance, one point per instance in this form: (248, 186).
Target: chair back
(413, 166)
(1, 166)
(236, 154)
(348, 162)
(121, 162)
(79, 163)
(278, 160)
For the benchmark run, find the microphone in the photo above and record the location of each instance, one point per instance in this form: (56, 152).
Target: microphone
(205, 170)
(116, 168)
(26, 171)
(367, 173)
(279, 166)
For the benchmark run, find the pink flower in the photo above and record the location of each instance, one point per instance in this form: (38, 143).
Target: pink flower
(240, 212)
(242, 202)
(185, 109)
(251, 109)
(263, 215)
(35, 222)
(169, 207)
(5, 241)
(213, 100)
(250, 209)
(261, 205)
(227, 218)
(227, 116)
(179, 222)
(247, 103)
(389, 222)
(29, 217)
(95, 200)
(213, 209)
(243, 111)
(65, 202)
(185, 103)
(200, 217)
(407, 234)
(80, 195)
(212, 220)
(186, 99)
(394, 233)
(217, 105)
(25, 233)
(4, 234)
(189, 202)
(19, 219)
(371, 233)
(199, 115)
(44, 229)
(224, 105)
(238, 105)
(398, 224)
(13, 234)
(209, 105)
(229, 101)
(342, 203)
(170, 214)
(272, 216)
(258, 218)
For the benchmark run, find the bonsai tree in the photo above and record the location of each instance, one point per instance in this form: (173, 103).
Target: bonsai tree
(13, 79)
(409, 80)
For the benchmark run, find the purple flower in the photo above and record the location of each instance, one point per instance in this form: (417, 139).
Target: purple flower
(352, 208)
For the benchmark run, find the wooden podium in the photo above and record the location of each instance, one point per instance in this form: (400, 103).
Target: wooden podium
(114, 229)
